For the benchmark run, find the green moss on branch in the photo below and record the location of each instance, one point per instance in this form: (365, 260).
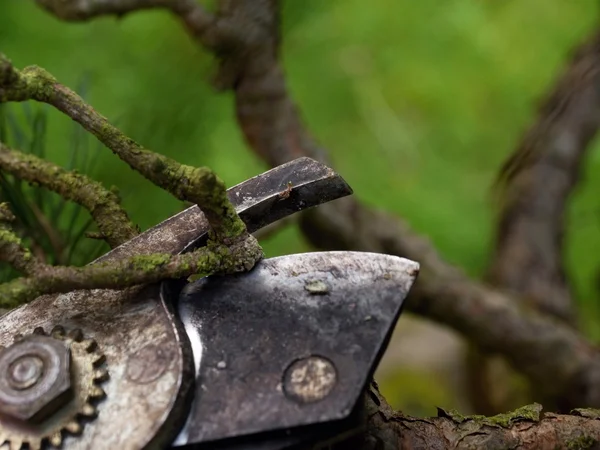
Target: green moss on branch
(197, 185)
(582, 442)
(12, 250)
(103, 205)
(529, 413)
(136, 270)
(230, 247)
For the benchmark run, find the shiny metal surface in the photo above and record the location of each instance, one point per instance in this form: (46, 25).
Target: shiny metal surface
(289, 344)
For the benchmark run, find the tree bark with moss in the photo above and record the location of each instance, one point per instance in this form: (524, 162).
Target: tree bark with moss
(230, 247)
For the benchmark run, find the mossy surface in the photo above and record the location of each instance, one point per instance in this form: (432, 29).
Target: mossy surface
(590, 413)
(529, 413)
(582, 442)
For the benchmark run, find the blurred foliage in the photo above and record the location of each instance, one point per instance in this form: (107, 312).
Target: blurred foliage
(427, 391)
(418, 102)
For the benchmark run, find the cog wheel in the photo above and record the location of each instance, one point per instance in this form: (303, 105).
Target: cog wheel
(88, 372)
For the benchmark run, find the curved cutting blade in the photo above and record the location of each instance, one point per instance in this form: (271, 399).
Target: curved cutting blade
(291, 343)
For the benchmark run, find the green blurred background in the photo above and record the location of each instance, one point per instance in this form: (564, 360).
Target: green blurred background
(418, 102)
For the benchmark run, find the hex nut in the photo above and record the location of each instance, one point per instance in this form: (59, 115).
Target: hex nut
(35, 378)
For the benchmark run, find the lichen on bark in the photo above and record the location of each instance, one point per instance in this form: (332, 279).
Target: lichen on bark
(529, 413)
(230, 247)
(12, 249)
(135, 270)
(103, 204)
(198, 185)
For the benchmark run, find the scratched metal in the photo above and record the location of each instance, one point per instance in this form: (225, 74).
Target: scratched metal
(264, 199)
(147, 353)
(247, 329)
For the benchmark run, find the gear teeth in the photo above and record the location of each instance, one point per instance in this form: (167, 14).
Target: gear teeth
(39, 331)
(16, 444)
(75, 335)
(97, 393)
(58, 332)
(74, 427)
(88, 411)
(56, 439)
(99, 360)
(88, 362)
(89, 345)
(101, 375)
(34, 444)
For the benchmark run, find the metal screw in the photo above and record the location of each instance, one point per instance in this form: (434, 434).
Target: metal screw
(309, 379)
(35, 378)
(25, 371)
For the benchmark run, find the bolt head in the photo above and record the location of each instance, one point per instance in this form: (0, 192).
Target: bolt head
(25, 371)
(34, 378)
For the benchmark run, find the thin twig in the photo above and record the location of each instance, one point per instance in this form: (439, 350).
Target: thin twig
(199, 185)
(12, 250)
(230, 247)
(103, 205)
(122, 273)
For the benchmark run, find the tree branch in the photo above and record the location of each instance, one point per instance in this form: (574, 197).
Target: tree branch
(121, 273)
(78, 10)
(537, 180)
(525, 428)
(12, 250)
(535, 184)
(215, 32)
(112, 220)
(198, 185)
(230, 247)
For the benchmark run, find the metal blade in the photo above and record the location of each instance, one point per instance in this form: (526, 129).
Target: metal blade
(147, 353)
(300, 184)
(291, 343)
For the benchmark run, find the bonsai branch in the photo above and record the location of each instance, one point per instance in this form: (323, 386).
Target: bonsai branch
(230, 248)
(198, 185)
(112, 220)
(115, 274)
(12, 250)
(226, 29)
(525, 428)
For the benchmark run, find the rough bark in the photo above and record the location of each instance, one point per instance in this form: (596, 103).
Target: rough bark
(524, 428)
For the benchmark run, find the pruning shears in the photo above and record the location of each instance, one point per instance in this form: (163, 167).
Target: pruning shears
(274, 358)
